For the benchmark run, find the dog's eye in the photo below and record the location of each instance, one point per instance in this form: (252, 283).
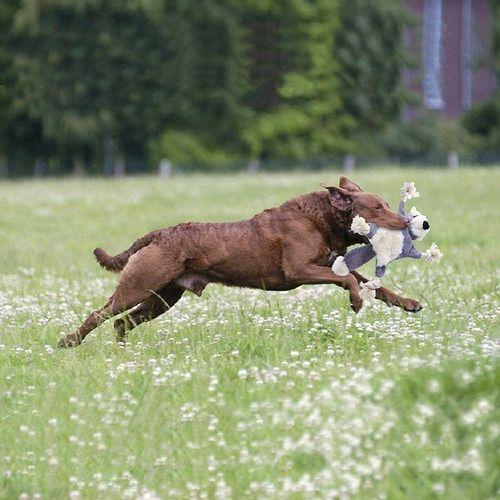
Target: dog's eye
(378, 207)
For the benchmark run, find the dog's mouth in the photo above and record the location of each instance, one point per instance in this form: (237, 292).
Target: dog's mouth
(400, 224)
(396, 223)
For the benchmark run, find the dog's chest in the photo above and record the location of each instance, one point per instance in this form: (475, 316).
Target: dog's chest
(387, 244)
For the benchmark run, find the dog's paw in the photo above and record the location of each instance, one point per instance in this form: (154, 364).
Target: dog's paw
(356, 302)
(70, 340)
(411, 305)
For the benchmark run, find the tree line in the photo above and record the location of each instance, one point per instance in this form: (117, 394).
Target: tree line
(109, 85)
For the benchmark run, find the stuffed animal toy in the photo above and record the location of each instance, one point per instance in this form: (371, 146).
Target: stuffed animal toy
(387, 245)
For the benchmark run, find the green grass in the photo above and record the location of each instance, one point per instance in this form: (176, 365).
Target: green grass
(244, 393)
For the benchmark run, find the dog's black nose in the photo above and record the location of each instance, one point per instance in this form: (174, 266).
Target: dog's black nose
(426, 225)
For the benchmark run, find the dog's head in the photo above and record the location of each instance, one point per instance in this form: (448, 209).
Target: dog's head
(349, 197)
(419, 225)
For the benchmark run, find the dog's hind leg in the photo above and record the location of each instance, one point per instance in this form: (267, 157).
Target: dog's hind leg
(149, 270)
(147, 310)
(94, 319)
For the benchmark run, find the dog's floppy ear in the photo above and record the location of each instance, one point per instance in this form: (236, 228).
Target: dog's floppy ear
(348, 185)
(339, 198)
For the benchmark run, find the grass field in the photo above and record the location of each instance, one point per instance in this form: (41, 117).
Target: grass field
(242, 393)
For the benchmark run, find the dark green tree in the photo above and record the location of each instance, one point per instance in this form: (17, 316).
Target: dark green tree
(483, 120)
(97, 74)
(371, 58)
(293, 87)
(209, 49)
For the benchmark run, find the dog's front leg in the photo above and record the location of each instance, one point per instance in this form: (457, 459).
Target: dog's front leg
(320, 275)
(391, 298)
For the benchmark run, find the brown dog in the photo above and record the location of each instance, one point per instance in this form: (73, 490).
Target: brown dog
(278, 249)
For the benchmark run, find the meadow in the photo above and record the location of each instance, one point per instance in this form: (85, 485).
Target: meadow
(243, 393)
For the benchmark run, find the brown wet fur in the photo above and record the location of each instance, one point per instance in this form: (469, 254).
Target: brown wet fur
(278, 249)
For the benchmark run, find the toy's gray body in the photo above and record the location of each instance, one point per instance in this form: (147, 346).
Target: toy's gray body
(397, 244)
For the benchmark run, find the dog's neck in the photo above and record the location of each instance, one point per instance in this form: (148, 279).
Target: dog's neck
(333, 223)
(343, 221)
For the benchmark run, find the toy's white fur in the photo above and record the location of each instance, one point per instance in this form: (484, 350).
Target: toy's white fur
(339, 267)
(387, 244)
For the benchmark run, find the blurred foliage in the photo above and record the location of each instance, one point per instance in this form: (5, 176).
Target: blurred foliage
(207, 82)
(427, 137)
(372, 57)
(495, 11)
(482, 122)
(293, 93)
(185, 147)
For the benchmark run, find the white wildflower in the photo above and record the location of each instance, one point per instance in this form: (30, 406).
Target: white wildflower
(425, 410)
(409, 191)
(242, 374)
(432, 254)
(359, 225)
(438, 488)
(433, 386)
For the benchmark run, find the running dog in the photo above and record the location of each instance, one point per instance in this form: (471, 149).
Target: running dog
(278, 249)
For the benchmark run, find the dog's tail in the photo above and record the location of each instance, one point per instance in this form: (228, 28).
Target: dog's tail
(117, 262)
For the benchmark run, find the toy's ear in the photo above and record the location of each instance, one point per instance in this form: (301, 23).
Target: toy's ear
(348, 185)
(340, 198)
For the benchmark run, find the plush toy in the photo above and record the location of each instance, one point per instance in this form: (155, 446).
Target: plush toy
(387, 245)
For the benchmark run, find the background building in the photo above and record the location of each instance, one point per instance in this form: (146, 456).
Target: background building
(451, 42)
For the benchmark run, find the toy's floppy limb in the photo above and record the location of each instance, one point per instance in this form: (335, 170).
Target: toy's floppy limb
(409, 191)
(360, 226)
(380, 271)
(402, 206)
(414, 254)
(432, 254)
(368, 289)
(359, 256)
(352, 260)
(339, 267)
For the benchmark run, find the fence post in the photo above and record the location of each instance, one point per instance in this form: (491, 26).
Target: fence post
(254, 166)
(164, 168)
(39, 167)
(349, 163)
(453, 161)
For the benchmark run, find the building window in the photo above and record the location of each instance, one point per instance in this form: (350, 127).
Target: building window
(433, 98)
